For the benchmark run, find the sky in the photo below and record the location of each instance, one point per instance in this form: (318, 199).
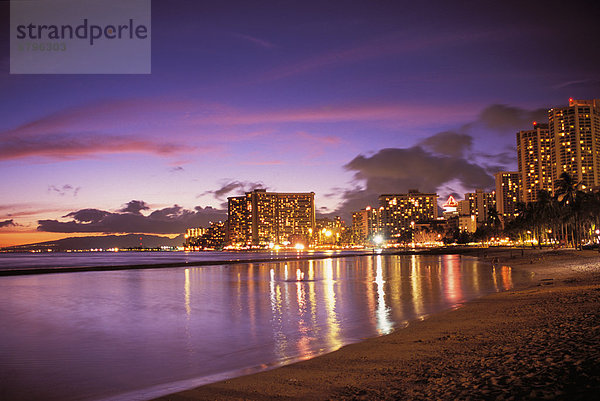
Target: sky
(347, 99)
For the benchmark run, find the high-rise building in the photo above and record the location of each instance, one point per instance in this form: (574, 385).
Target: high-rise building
(535, 168)
(575, 131)
(261, 217)
(477, 204)
(239, 222)
(366, 223)
(400, 212)
(508, 193)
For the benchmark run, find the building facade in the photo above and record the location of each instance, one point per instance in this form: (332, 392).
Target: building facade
(260, 218)
(477, 204)
(508, 194)
(400, 212)
(534, 149)
(575, 131)
(366, 223)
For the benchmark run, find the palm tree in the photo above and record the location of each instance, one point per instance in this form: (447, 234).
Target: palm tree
(570, 199)
(545, 212)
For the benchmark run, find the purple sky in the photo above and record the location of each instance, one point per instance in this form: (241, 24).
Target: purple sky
(346, 99)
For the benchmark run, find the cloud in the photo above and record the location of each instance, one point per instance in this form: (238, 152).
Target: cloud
(68, 146)
(397, 170)
(171, 220)
(237, 187)
(579, 84)
(254, 40)
(134, 207)
(448, 143)
(7, 223)
(66, 189)
(501, 117)
(395, 43)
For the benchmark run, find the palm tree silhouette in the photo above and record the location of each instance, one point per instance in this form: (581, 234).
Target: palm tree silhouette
(570, 199)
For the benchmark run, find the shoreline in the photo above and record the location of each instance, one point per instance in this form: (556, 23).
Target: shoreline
(538, 341)
(276, 258)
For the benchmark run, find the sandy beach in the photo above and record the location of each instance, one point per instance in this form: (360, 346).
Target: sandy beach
(537, 342)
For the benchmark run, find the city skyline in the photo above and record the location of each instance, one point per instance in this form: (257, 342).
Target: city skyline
(349, 102)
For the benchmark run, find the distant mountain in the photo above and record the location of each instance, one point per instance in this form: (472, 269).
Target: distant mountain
(102, 242)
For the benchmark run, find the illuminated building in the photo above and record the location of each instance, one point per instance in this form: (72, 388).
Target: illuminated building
(467, 223)
(450, 208)
(261, 218)
(366, 223)
(329, 231)
(239, 222)
(212, 237)
(575, 131)
(400, 212)
(535, 167)
(192, 235)
(477, 204)
(508, 193)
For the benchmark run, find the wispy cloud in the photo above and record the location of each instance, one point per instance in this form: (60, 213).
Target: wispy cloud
(75, 146)
(254, 40)
(63, 190)
(396, 43)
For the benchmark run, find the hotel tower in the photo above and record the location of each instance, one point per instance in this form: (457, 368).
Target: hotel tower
(575, 131)
(534, 149)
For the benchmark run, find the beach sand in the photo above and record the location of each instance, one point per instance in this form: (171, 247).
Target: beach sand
(538, 342)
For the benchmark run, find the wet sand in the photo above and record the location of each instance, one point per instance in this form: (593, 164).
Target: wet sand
(538, 342)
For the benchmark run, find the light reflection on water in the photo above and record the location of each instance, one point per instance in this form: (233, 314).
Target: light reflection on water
(99, 334)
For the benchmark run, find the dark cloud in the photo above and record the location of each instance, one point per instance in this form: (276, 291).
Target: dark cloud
(171, 220)
(88, 215)
(448, 143)
(134, 207)
(501, 117)
(64, 190)
(239, 187)
(395, 170)
(7, 223)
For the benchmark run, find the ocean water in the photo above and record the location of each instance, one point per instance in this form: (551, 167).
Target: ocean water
(138, 334)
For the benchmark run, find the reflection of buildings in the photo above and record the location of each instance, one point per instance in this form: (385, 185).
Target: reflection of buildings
(262, 217)
(535, 169)
(575, 132)
(508, 191)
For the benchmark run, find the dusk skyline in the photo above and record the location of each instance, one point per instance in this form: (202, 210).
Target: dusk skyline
(347, 100)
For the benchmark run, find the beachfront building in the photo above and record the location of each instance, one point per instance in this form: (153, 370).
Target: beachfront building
(239, 225)
(400, 212)
(261, 218)
(329, 231)
(366, 224)
(477, 204)
(534, 158)
(508, 194)
(575, 132)
(212, 237)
